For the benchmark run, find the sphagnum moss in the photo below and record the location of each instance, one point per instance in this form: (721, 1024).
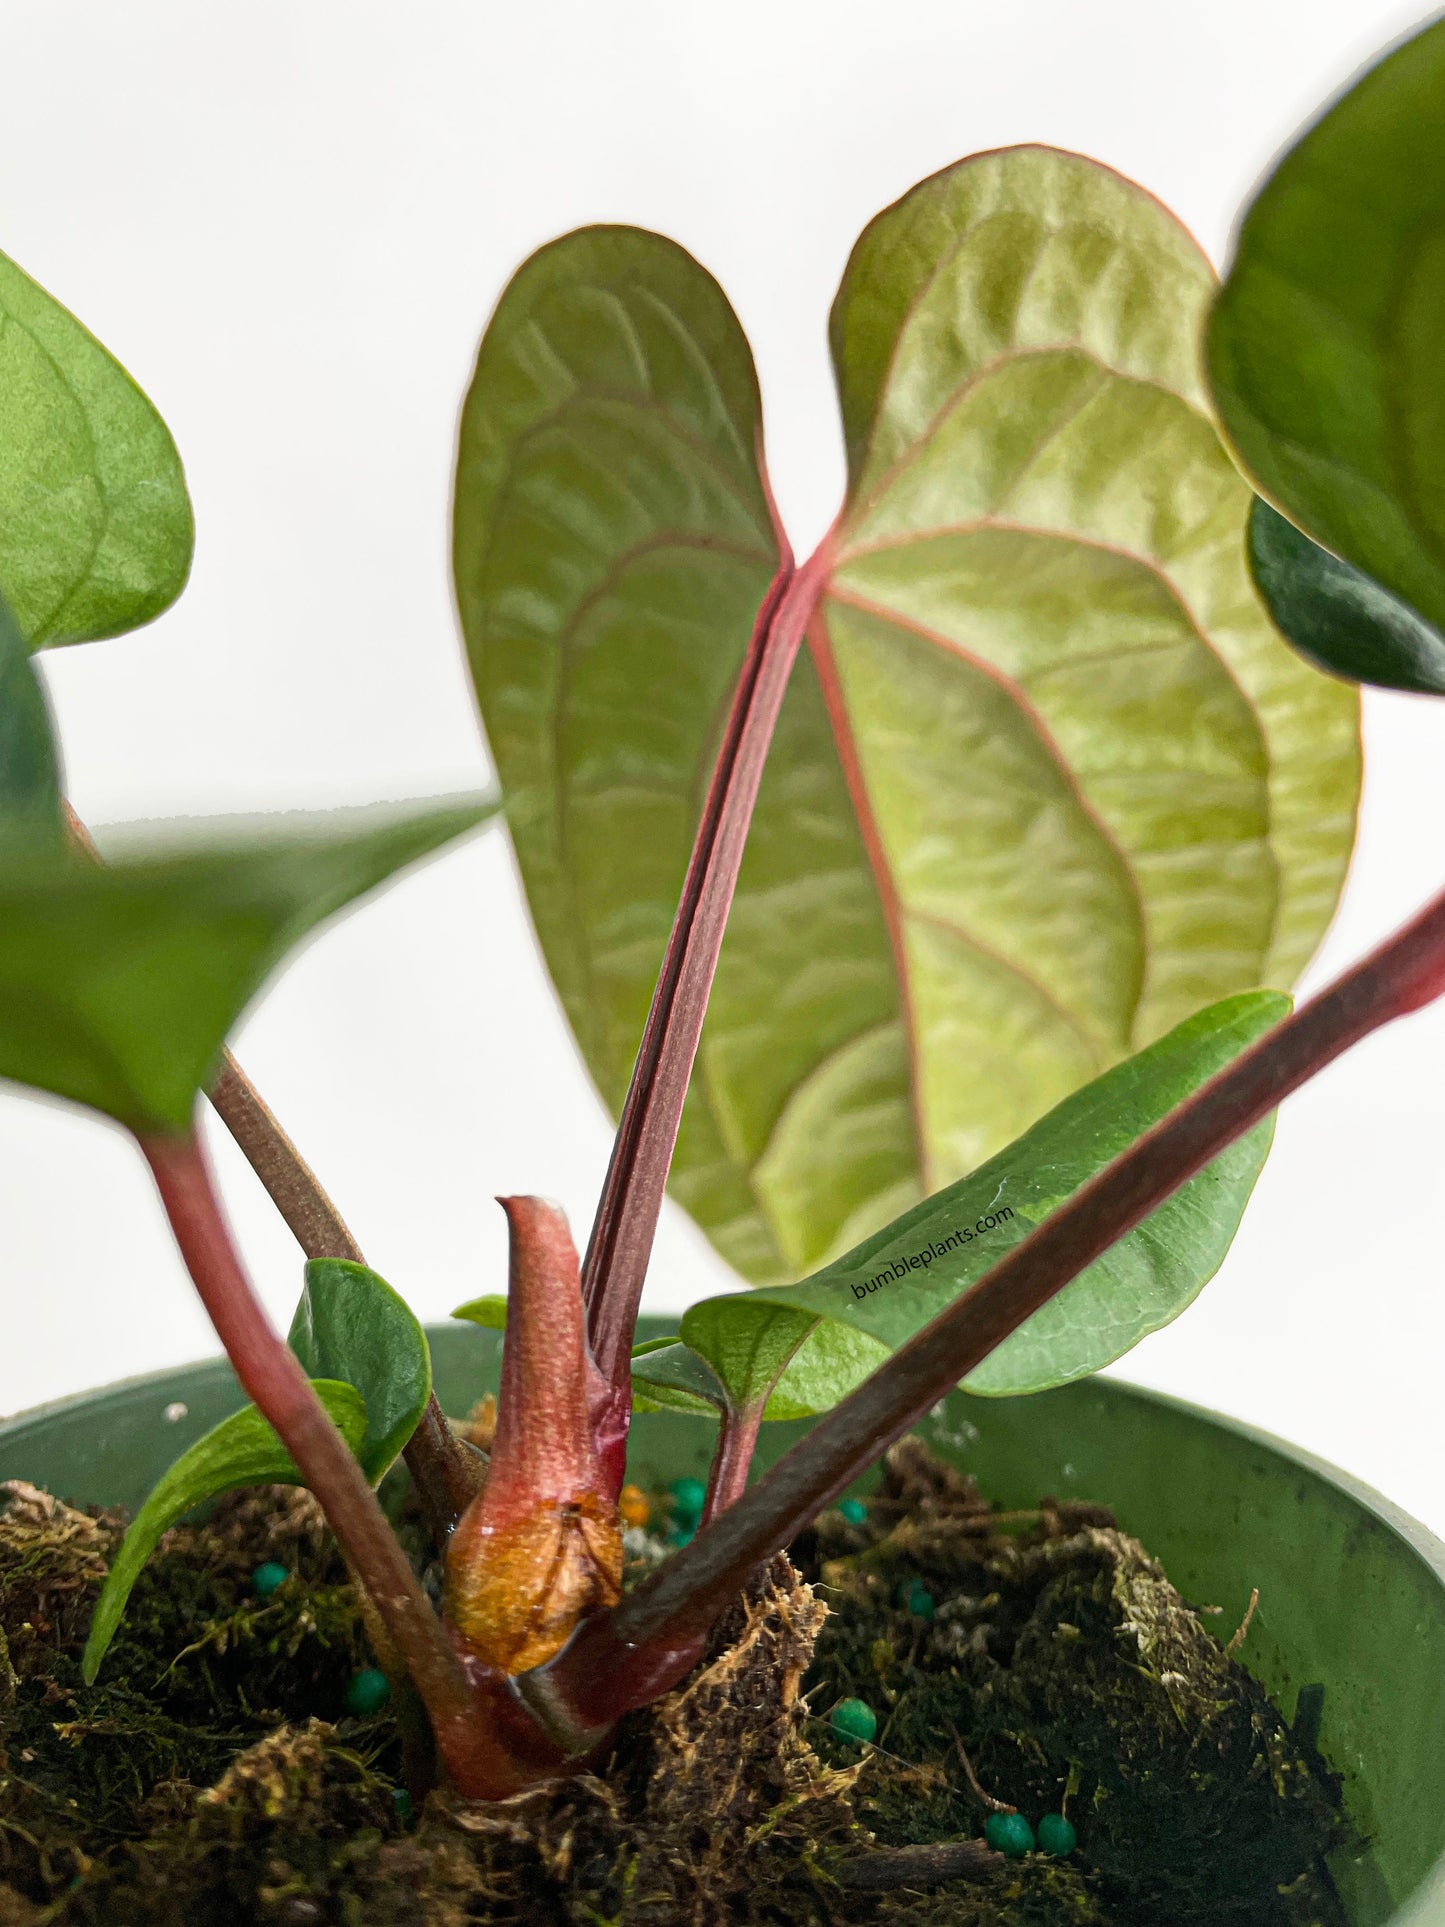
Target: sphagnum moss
(211, 1774)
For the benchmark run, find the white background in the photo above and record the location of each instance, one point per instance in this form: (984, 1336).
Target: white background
(290, 221)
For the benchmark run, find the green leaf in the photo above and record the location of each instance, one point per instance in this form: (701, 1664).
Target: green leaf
(669, 1377)
(242, 1450)
(119, 984)
(749, 1356)
(30, 812)
(1047, 781)
(1325, 348)
(351, 1326)
(95, 522)
(489, 1312)
(1336, 615)
(900, 1278)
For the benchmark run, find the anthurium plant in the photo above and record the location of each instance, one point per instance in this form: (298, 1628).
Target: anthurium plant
(926, 910)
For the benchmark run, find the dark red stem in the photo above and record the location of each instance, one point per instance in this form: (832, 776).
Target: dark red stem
(273, 1378)
(626, 1658)
(442, 1471)
(631, 1201)
(736, 1442)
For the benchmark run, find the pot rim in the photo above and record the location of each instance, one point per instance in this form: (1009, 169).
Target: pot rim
(1404, 1525)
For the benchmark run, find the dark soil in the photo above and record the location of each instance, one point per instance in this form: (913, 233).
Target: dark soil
(211, 1775)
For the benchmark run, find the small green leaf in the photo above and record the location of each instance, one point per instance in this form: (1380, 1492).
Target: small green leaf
(242, 1450)
(1336, 615)
(670, 1377)
(30, 814)
(95, 522)
(351, 1325)
(119, 984)
(489, 1312)
(1325, 348)
(749, 1357)
(897, 1280)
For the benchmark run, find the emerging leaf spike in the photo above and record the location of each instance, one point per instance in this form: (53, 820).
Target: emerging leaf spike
(542, 1543)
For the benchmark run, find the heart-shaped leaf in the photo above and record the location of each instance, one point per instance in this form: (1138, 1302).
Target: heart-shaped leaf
(30, 813)
(1047, 781)
(901, 1277)
(1325, 348)
(242, 1450)
(351, 1326)
(1337, 615)
(95, 522)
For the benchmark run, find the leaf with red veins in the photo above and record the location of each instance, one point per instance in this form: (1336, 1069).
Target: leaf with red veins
(1044, 782)
(542, 1542)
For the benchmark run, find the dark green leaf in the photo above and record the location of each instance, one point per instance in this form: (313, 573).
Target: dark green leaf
(95, 522)
(1326, 349)
(1047, 781)
(897, 1280)
(30, 812)
(118, 985)
(242, 1450)
(351, 1325)
(1333, 613)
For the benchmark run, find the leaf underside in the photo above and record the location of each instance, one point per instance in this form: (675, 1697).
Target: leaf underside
(95, 522)
(1326, 352)
(876, 1297)
(242, 1450)
(1046, 782)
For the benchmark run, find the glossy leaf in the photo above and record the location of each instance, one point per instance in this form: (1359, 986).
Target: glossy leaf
(897, 1280)
(118, 985)
(30, 813)
(1325, 348)
(1336, 615)
(95, 522)
(351, 1326)
(1047, 782)
(242, 1450)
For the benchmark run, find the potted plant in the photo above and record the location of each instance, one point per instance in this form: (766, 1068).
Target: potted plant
(954, 1128)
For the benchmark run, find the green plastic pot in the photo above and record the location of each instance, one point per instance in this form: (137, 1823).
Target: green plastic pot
(1352, 1592)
